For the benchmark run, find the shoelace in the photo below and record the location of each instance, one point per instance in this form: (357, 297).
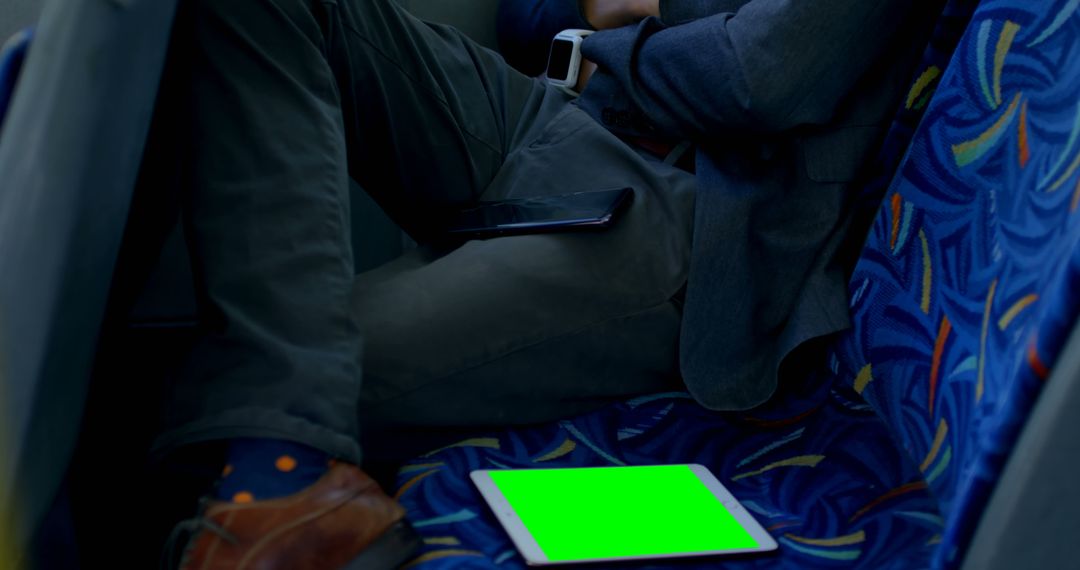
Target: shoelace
(189, 527)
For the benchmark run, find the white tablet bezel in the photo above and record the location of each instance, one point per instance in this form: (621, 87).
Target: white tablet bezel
(534, 556)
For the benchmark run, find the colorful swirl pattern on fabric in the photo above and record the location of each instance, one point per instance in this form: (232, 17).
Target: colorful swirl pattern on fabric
(825, 478)
(962, 298)
(961, 325)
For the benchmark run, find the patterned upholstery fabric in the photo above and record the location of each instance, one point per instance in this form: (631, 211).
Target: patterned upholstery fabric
(964, 293)
(822, 474)
(949, 28)
(961, 300)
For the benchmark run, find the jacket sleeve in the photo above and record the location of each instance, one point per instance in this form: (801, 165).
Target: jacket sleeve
(674, 12)
(769, 66)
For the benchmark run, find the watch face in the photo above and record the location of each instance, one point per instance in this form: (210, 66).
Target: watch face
(559, 60)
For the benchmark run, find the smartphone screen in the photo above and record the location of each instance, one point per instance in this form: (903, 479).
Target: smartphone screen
(581, 210)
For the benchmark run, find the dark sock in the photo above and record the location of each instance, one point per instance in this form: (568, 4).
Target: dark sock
(259, 469)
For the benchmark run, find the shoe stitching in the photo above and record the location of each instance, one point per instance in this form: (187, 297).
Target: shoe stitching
(259, 544)
(216, 543)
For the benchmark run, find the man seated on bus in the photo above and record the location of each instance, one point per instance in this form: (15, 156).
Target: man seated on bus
(725, 263)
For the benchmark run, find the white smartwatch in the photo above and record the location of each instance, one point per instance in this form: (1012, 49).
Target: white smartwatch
(564, 60)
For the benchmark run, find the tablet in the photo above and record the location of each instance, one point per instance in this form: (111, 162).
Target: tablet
(605, 514)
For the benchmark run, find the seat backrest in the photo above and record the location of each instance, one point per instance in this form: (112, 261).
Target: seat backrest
(964, 291)
(69, 155)
(949, 28)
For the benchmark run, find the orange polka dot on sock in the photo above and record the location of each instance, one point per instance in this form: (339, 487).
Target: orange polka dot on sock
(225, 472)
(243, 497)
(285, 463)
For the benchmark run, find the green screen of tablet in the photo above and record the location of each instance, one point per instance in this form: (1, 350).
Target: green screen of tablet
(585, 513)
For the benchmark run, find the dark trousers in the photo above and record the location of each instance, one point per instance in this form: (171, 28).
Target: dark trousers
(288, 100)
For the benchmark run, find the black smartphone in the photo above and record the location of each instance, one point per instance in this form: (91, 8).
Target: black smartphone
(594, 210)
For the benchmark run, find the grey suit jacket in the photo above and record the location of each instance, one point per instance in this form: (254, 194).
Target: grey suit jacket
(787, 100)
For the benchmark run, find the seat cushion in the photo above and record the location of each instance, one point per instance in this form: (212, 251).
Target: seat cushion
(819, 472)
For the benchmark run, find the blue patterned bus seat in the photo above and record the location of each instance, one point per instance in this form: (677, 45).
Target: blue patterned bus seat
(967, 287)
(962, 298)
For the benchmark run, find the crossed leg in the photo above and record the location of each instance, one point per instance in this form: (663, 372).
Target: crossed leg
(290, 98)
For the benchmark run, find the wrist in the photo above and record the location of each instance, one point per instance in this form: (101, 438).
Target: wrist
(644, 8)
(606, 14)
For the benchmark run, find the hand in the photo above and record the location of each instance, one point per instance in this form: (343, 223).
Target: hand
(606, 14)
(585, 71)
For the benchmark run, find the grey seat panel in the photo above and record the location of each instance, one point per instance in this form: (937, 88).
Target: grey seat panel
(1033, 518)
(16, 15)
(69, 158)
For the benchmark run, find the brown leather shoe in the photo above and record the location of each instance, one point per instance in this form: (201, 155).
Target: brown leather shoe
(342, 521)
